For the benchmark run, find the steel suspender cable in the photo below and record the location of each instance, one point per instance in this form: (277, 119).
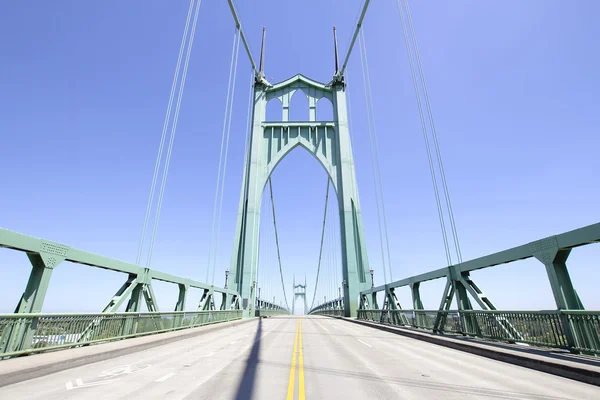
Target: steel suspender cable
(277, 242)
(425, 135)
(434, 134)
(164, 133)
(376, 146)
(374, 168)
(225, 116)
(225, 160)
(173, 131)
(321, 246)
(411, 40)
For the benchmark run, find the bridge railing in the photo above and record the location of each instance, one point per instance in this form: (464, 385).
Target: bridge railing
(539, 328)
(266, 309)
(46, 256)
(332, 308)
(571, 327)
(54, 331)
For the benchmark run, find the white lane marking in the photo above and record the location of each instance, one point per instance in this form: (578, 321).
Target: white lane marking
(234, 342)
(124, 369)
(366, 344)
(80, 384)
(164, 378)
(325, 328)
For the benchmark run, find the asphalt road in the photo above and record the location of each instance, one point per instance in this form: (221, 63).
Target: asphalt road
(299, 358)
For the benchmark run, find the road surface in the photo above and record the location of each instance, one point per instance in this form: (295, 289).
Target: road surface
(299, 358)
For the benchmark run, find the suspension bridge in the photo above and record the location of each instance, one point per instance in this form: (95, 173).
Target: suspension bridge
(354, 339)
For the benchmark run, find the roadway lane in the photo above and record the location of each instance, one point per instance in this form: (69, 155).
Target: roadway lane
(334, 359)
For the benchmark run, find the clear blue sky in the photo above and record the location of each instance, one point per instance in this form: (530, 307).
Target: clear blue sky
(84, 87)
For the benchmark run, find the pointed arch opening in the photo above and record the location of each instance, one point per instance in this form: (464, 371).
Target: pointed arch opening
(274, 110)
(299, 109)
(299, 185)
(324, 109)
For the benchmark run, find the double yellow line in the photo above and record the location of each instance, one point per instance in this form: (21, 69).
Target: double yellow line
(298, 353)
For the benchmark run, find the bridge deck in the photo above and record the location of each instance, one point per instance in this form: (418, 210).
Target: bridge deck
(339, 360)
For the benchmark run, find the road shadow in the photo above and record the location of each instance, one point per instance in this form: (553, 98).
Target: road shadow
(246, 386)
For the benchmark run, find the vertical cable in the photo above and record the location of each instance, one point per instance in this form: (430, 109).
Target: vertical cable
(425, 136)
(173, 132)
(237, 49)
(321, 246)
(376, 146)
(373, 167)
(434, 134)
(164, 133)
(216, 199)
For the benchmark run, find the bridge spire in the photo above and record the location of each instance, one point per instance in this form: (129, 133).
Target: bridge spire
(335, 50)
(261, 68)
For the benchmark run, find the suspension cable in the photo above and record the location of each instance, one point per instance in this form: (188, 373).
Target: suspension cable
(425, 136)
(164, 133)
(173, 132)
(277, 242)
(225, 160)
(216, 199)
(434, 134)
(373, 166)
(376, 145)
(321, 246)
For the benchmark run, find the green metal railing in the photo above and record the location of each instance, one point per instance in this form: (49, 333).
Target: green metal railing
(31, 333)
(540, 328)
(270, 313)
(332, 308)
(329, 313)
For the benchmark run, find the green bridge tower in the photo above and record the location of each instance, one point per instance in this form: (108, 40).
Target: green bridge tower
(329, 143)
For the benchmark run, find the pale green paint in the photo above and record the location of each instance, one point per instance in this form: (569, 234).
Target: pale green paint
(329, 143)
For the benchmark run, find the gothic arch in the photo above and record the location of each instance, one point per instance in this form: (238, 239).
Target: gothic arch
(329, 143)
(320, 142)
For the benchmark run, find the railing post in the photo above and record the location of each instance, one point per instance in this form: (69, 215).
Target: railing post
(180, 305)
(417, 305)
(130, 324)
(578, 334)
(21, 334)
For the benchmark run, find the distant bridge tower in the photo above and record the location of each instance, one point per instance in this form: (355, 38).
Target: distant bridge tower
(300, 291)
(329, 143)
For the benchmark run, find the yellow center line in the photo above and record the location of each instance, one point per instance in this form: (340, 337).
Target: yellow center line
(300, 368)
(290, 393)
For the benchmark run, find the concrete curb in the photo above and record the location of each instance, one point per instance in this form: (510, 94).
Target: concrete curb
(553, 367)
(42, 369)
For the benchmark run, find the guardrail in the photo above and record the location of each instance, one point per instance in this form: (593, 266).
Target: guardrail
(329, 313)
(332, 308)
(539, 328)
(266, 308)
(270, 313)
(55, 331)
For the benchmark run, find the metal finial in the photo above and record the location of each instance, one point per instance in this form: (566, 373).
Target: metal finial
(262, 53)
(335, 48)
